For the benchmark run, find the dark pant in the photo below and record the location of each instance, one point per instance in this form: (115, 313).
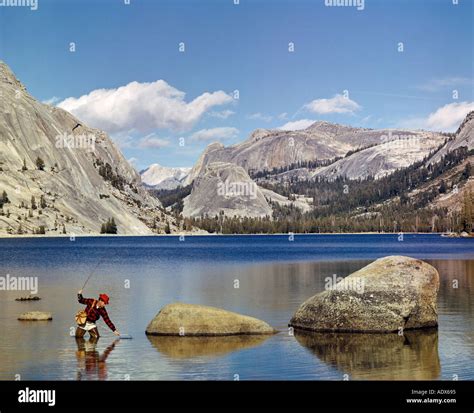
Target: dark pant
(94, 333)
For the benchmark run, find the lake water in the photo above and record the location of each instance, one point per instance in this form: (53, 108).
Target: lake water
(275, 276)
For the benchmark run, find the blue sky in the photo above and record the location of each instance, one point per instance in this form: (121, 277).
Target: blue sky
(242, 47)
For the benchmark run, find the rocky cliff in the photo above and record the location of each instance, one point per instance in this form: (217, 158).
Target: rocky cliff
(464, 136)
(225, 188)
(62, 176)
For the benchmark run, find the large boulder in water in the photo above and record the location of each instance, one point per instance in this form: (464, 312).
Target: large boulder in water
(179, 319)
(390, 294)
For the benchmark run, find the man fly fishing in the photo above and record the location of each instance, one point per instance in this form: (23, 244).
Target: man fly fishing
(95, 308)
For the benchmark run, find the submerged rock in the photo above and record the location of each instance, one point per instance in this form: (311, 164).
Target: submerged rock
(179, 319)
(36, 316)
(388, 295)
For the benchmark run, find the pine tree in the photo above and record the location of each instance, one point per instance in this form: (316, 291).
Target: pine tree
(40, 164)
(467, 171)
(467, 212)
(4, 199)
(109, 227)
(442, 187)
(112, 226)
(42, 202)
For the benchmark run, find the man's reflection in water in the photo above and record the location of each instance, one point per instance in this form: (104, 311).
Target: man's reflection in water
(90, 364)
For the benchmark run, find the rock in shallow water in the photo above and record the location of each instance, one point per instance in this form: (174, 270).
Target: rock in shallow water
(29, 297)
(179, 319)
(36, 316)
(390, 294)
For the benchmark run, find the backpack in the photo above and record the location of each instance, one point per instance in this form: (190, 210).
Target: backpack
(81, 315)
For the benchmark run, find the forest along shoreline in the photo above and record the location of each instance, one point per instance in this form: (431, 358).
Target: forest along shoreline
(207, 234)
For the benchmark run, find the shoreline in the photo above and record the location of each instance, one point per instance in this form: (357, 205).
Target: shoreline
(33, 236)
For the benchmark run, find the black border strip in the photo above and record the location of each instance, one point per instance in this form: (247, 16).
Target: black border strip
(225, 395)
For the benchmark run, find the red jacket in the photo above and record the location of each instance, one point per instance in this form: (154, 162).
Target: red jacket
(94, 313)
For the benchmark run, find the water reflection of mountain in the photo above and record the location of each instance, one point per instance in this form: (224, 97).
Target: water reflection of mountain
(188, 347)
(413, 356)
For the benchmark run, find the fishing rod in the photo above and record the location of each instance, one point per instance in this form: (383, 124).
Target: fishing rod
(101, 260)
(93, 271)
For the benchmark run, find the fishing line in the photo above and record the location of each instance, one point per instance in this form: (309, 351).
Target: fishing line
(122, 336)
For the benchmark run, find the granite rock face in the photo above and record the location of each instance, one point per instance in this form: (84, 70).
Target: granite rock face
(84, 179)
(396, 150)
(266, 149)
(464, 137)
(225, 188)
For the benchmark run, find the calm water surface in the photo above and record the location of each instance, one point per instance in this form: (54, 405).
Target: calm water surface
(275, 277)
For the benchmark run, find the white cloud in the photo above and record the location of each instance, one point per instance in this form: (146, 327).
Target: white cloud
(260, 116)
(142, 107)
(215, 134)
(297, 124)
(223, 114)
(441, 83)
(336, 104)
(283, 116)
(51, 101)
(153, 142)
(448, 117)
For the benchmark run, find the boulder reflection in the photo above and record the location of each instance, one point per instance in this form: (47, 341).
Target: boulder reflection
(413, 356)
(187, 347)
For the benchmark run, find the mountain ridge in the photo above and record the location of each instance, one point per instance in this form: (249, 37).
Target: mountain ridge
(266, 149)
